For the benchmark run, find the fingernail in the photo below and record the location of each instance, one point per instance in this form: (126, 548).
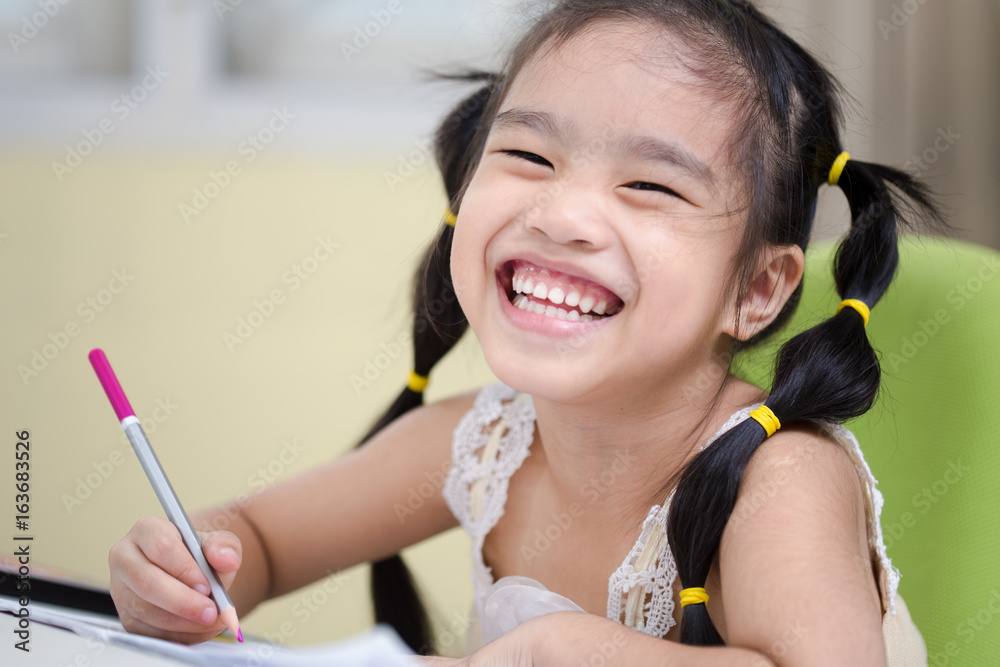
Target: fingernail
(228, 551)
(202, 588)
(207, 615)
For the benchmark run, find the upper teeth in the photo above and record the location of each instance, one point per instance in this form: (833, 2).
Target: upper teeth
(558, 296)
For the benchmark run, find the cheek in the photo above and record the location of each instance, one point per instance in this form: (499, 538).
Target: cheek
(460, 269)
(469, 273)
(477, 224)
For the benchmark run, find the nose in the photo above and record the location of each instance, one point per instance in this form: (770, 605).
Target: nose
(570, 215)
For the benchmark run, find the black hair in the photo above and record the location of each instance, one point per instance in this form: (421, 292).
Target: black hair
(785, 138)
(438, 324)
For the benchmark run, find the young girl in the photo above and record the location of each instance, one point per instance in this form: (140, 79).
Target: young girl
(633, 196)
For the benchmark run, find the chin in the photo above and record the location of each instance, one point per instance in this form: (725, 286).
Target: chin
(550, 379)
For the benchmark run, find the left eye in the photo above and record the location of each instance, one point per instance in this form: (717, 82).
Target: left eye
(653, 187)
(530, 157)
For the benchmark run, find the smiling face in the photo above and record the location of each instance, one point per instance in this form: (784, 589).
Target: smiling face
(594, 243)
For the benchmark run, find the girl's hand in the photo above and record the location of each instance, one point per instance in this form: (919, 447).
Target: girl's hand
(513, 649)
(157, 586)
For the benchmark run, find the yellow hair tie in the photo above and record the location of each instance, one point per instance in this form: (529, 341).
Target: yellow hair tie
(838, 167)
(693, 596)
(417, 382)
(766, 418)
(449, 217)
(857, 305)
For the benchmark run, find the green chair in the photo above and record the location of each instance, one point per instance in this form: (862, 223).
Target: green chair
(933, 437)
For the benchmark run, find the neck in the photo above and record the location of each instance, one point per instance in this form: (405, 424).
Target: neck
(619, 455)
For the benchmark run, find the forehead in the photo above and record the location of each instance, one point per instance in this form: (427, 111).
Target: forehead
(617, 78)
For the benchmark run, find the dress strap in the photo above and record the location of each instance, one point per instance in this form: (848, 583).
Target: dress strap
(886, 575)
(641, 590)
(490, 443)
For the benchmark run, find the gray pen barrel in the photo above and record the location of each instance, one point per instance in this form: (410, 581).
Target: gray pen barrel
(172, 506)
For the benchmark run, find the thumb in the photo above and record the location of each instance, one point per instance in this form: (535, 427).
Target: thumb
(224, 553)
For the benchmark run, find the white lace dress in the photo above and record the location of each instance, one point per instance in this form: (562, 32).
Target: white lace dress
(490, 444)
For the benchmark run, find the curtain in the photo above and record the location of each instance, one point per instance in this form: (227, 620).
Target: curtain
(924, 81)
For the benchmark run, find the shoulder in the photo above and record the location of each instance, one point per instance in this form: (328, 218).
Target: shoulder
(432, 432)
(801, 481)
(807, 461)
(440, 417)
(795, 549)
(432, 423)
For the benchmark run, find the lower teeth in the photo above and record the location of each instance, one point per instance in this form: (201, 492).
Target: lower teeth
(522, 302)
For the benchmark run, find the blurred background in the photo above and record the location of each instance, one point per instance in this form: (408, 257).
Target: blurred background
(230, 198)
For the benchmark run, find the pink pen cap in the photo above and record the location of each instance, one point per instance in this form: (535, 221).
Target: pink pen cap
(119, 402)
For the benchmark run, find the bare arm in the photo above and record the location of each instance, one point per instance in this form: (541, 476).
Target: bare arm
(793, 585)
(367, 505)
(343, 513)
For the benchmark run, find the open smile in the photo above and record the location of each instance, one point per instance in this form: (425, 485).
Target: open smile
(556, 295)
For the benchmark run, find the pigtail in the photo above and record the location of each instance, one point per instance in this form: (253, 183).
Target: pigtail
(827, 373)
(438, 324)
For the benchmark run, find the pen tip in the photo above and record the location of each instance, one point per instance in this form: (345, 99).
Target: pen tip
(239, 634)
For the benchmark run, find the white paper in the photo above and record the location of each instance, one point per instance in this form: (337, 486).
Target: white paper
(381, 647)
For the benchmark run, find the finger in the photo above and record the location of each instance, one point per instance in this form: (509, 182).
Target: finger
(224, 552)
(157, 596)
(161, 543)
(142, 628)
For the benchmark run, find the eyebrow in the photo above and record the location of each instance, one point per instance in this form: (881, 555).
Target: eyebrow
(651, 149)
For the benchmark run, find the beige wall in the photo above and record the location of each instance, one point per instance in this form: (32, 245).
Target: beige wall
(231, 411)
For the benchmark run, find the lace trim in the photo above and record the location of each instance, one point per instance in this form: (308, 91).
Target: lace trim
(888, 575)
(641, 590)
(493, 439)
(490, 443)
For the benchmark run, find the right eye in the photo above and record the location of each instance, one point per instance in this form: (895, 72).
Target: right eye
(525, 155)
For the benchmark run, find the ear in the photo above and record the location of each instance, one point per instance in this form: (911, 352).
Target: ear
(779, 275)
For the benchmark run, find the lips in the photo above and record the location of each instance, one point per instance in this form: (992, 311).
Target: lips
(556, 294)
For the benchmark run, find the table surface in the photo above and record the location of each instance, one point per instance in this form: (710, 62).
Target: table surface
(55, 647)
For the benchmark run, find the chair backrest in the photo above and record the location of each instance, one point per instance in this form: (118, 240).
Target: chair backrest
(933, 437)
